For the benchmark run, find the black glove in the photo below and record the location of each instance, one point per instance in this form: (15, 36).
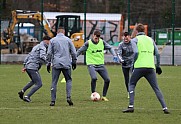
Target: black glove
(74, 66)
(158, 70)
(48, 68)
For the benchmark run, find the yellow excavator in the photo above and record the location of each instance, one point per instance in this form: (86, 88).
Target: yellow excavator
(17, 17)
(71, 23)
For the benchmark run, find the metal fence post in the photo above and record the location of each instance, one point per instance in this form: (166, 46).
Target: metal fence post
(173, 29)
(42, 27)
(128, 15)
(0, 29)
(85, 28)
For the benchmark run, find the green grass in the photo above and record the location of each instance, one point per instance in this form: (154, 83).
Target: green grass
(147, 108)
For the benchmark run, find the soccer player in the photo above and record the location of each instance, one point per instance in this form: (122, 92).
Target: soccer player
(32, 64)
(62, 54)
(125, 54)
(95, 60)
(144, 67)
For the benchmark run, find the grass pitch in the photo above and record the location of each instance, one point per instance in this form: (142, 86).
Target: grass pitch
(147, 108)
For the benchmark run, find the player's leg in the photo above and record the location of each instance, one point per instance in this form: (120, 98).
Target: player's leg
(136, 75)
(151, 77)
(93, 75)
(27, 86)
(55, 77)
(104, 74)
(31, 83)
(36, 79)
(126, 76)
(67, 75)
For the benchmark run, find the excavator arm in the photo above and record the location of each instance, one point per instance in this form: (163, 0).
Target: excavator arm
(18, 15)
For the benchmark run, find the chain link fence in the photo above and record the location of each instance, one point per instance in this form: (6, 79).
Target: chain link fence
(112, 17)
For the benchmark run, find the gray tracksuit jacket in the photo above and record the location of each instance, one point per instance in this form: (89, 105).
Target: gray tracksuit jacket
(36, 57)
(61, 52)
(126, 53)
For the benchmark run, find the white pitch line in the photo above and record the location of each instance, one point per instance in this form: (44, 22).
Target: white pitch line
(67, 107)
(29, 108)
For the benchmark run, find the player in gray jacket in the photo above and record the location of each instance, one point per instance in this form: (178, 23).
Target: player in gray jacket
(32, 64)
(126, 56)
(62, 54)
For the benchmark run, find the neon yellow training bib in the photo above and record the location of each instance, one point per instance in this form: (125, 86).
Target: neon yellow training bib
(145, 52)
(95, 53)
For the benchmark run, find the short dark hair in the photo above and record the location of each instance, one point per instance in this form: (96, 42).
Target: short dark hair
(126, 34)
(140, 27)
(97, 33)
(46, 37)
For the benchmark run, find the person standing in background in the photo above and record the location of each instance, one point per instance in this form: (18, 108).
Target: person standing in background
(126, 56)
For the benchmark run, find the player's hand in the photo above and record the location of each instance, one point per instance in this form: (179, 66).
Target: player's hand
(74, 66)
(158, 70)
(48, 68)
(23, 70)
(115, 59)
(121, 60)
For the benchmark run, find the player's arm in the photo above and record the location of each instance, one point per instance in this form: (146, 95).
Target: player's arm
(157, 54)
(73, 52)
(49, 52)
(83, 48)
(110, 48)
(119, 53)
(49, 56)
(25, 61)
(134, 32)
(43, 54)
(135, 48)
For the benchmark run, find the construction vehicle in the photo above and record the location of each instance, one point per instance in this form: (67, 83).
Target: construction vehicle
(21, 16)
(71, 24)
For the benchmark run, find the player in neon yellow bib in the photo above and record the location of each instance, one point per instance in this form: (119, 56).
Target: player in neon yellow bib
(95, 60)
(144, 67)
(95, 53)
